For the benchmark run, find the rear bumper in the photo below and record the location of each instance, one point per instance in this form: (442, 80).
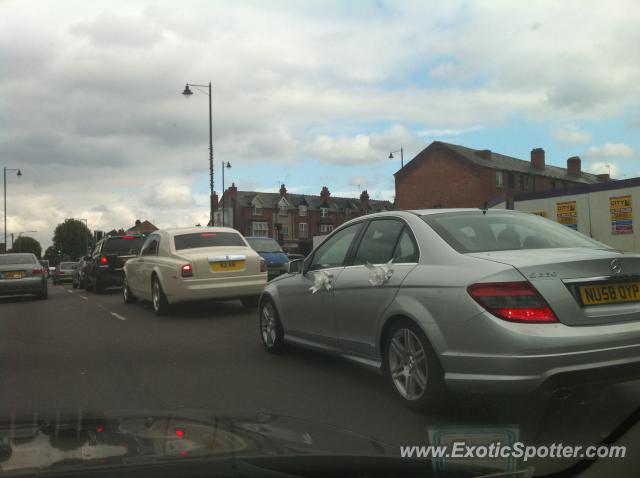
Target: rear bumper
(520, 358)
(193, 290)
(109, 277)
(63, 278)
(30, 285)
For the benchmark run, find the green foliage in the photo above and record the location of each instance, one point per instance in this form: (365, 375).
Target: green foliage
(71, 240)
(27, 244)
(51, 256)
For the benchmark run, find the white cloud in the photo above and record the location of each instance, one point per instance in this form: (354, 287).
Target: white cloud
(604, 168)
(571, 135)
(358, 181)
(611, 150)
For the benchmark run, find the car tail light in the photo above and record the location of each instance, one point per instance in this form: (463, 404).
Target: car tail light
(38, 272)
(99, 429)
(180, 432)
(513, 301)
(263, 266)
(103, 260)
(187, 270)
(129, 237)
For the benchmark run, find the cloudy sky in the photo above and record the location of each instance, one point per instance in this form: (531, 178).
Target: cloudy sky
(309, 93)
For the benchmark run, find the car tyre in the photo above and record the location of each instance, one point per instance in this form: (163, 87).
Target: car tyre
(250, 302)
(412, 367)
(158, 297)
(271, 331)
(127, 295)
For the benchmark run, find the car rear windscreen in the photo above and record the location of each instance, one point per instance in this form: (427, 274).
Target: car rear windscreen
(10, 259)
(208, 239)
(475, 231)
(68, 265)
(124, 244)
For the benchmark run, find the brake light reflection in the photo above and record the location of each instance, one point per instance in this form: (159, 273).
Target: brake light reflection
(208, 234)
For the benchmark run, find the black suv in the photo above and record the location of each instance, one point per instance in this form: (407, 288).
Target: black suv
(104, 265)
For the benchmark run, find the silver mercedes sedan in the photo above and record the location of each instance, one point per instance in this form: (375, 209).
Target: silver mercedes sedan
(462, 299)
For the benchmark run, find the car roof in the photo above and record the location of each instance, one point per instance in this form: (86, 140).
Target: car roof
(259, 237)
(196, 230)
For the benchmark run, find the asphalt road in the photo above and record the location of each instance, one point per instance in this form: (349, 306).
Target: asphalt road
(81, 350)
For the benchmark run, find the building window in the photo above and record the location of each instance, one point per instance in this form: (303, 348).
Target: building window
(303, 230)
(326, 228)
(302, 210)
(553, 184)
(283, 209)
(284, 230)
(522, 184)
(533, 183)
(512, 181)
(257, 210)
(347, 212)
(499, 182)
(260, 229)
(324, 211)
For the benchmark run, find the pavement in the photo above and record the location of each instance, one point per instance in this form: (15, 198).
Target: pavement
(82, 350)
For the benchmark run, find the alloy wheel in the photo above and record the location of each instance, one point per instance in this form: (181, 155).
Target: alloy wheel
(407, 362)
(268, 325)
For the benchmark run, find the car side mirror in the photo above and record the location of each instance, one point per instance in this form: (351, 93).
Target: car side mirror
(295, 267)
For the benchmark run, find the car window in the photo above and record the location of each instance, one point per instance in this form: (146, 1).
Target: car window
(208, 239)
(123, 244)
(150, 247)
(333, 252)
(378, 242)
(264, 245)
(473, 231)
(11, 259)
(406, 249)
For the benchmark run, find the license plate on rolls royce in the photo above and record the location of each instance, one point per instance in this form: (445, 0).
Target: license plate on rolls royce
(227, 266)
(611, 293)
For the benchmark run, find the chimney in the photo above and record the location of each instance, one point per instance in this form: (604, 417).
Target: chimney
(603, 178)
(325, 194)
(138, 222)
(537, 159)
(232, 191)
(484, 154)
(283, 191)
(573, 166)
(364, 199)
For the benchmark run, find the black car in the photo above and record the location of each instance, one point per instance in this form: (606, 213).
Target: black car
(105, 264)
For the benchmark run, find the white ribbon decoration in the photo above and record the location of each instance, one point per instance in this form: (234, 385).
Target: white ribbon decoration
(321, 280)
(378, 275)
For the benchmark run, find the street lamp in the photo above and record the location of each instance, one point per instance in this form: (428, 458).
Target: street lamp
(86, 238)
(18, 173)
(224, 166)
(401, 157)
(187, 93)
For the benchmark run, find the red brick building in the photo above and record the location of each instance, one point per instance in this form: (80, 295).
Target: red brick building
(449, 175)
(299, 216)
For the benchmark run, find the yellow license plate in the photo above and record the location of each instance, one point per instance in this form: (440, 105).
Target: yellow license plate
(14, 275)
(226, 266)
(597, 294)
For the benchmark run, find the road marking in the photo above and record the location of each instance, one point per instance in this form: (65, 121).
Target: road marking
(83, 297)
(117, 316)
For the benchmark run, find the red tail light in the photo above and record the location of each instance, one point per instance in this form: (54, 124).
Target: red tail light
(180, 432)
(263, 266)
(103, 260)
(129, 237)
(38, 272)
(187, 270)
(513, 301)
(99, 429)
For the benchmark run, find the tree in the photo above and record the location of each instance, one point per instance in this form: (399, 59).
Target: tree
(51, 256)
(27, 244)
(71, 239)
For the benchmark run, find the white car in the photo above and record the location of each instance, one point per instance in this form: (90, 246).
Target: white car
(196, 263)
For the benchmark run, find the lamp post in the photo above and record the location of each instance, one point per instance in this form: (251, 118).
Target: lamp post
(187, 92)
(86, 238)
(18, 173)
(401, 157)
(226, 165)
